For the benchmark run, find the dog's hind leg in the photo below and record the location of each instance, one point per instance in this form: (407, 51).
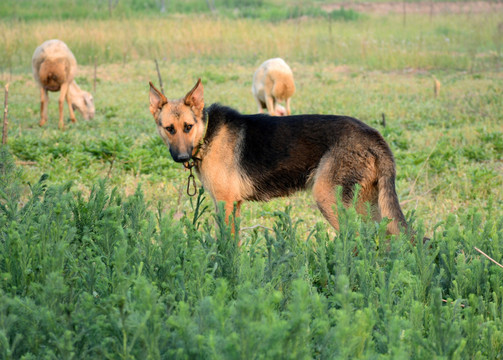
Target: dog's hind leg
(368, 193)
(324, 192)
(325, 199)
(347, 171)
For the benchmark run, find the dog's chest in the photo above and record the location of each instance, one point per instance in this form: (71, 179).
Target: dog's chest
(219, 169)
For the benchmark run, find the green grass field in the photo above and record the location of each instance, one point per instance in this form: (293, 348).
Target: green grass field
(112, 272)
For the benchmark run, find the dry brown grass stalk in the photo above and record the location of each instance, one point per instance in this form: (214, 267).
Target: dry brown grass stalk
(436, 87)
(5, 112)
(487, 256)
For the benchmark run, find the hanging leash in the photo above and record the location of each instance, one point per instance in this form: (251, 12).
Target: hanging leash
(191, 181)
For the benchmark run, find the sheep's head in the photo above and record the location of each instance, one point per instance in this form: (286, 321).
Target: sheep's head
(280, 110)
(84, 103)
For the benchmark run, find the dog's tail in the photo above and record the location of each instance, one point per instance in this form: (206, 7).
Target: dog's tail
(389, 205)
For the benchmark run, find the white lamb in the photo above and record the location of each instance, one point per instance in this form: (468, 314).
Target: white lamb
(273, 82)
(54, 68)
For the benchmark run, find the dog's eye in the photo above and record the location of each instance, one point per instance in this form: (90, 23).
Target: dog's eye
(187, 127)
(170, 129)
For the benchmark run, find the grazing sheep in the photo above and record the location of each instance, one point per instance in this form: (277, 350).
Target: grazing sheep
(54, 68)
(273, 82)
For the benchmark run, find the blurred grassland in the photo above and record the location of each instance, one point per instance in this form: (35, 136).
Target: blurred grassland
(448, 149)
(103, 9)
(456, 42)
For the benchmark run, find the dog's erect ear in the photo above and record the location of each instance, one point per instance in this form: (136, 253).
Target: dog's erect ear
(157, 99)
(194, 97)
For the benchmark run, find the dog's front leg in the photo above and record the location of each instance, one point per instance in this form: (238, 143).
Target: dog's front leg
(228, 211)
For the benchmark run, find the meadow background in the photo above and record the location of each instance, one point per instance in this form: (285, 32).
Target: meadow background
(103, 255)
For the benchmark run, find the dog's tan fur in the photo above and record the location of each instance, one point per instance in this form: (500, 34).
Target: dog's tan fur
(54, 67)
(220, 174)
(257, 157)
(273, 82)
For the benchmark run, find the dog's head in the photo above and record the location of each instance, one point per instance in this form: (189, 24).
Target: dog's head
(179, 122)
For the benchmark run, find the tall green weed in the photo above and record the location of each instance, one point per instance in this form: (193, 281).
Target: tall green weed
(108, 276)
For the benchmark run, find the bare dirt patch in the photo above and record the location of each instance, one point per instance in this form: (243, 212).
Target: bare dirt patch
(427, 7)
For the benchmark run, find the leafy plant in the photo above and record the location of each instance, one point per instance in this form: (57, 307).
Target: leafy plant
(104, 276)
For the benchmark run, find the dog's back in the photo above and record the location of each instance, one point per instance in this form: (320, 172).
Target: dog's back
(280, 155)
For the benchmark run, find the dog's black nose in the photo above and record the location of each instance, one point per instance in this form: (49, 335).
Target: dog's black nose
(182, 157)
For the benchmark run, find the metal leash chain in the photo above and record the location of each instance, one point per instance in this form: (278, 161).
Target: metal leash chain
(190, 165)
(191, 179)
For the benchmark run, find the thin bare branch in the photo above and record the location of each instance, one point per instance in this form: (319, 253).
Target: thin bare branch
(5, 112)
(487, 256)
(94, 79)
(419, 196)
(27, 162)
(159, 75)
(111, 166)
(255, 227)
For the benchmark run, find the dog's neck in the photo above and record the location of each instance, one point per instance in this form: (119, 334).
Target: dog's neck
(198, 156)
(213, 120)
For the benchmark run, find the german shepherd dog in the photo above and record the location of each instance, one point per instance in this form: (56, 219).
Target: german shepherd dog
(258, 157)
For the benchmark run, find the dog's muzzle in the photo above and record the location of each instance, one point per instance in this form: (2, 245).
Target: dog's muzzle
(180, 157)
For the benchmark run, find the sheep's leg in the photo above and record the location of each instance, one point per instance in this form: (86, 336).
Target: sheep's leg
(44, 104)
(72, 114)
(260, 106)
(62, 96)
(288, 112)
(269, 100)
